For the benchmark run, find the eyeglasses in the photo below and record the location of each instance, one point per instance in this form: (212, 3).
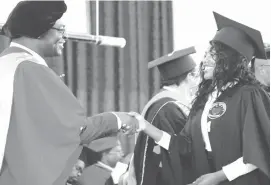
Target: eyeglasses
(211, 55)
(265, 65)
(195, 73)
(208, 63)
(60, 30)
(209, 59)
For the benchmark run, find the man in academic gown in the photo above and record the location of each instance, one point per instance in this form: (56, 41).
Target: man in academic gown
(168, 111)
(43, 127)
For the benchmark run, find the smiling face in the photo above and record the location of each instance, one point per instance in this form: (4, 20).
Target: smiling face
(53, 41)
(208, 65)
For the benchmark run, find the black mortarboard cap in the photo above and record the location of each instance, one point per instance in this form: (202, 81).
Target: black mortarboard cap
(33, 18)
(103, 144)
(245, 40)
(174, 64)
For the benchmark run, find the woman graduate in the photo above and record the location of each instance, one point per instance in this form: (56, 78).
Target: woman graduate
(229, 124)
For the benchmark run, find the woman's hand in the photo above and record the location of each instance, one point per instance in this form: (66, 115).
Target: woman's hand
(211, 179)
(129, 123)
(141, 121)
(153, 132)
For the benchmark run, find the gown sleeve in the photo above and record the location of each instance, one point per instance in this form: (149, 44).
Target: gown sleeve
(181, 142)
(256, 129)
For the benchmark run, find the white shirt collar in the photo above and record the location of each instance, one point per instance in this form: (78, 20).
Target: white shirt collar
(105, 166)
(169, 88)
(35, 55)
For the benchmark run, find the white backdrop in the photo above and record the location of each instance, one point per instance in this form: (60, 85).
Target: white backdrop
(193, 19)
(194, 23)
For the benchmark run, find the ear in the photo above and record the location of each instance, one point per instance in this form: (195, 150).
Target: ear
(45, 35)
(103, 156)
(262, 71)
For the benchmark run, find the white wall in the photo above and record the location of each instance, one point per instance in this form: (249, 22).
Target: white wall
(194, 23)
(75, 17)
(5, 9)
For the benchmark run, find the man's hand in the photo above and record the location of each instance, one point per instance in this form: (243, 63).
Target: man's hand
(129, 123)
(141, 121)
(210, 179)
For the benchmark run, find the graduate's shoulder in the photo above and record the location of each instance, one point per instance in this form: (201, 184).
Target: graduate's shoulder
(253, 91)
(166, 107)
(252, 88)
(161, 106)
(165, 104)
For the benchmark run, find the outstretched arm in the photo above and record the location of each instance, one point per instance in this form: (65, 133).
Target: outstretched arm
(168, 141)
(105, 124)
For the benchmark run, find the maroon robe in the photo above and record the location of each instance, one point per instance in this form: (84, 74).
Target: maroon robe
(44, 138)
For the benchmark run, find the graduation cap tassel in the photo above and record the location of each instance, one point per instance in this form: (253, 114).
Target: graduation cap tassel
(93, 39)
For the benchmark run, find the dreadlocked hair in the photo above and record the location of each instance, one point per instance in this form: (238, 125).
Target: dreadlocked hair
(230, 67)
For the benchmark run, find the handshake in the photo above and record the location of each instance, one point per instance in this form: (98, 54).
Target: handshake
(132, 122)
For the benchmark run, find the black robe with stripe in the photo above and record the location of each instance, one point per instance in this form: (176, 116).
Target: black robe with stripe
(243, 130)
(165, 115)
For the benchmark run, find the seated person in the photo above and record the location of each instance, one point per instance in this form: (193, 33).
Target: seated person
(76, 172)
(108, 169)
(86, 158)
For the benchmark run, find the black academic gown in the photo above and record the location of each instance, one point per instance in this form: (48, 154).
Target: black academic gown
(243, 129)
(44, 139)
(155, 167)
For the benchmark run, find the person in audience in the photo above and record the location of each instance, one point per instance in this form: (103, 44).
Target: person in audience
(107, 170)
